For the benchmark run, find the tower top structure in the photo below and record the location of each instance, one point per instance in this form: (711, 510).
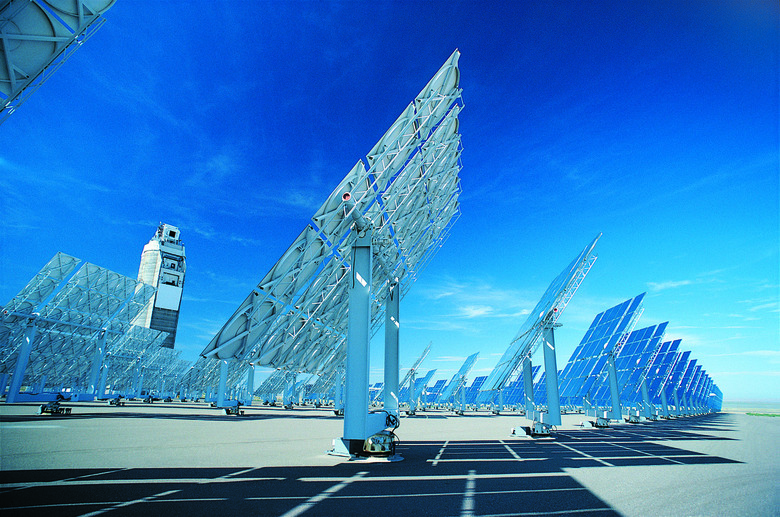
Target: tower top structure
(163, 266)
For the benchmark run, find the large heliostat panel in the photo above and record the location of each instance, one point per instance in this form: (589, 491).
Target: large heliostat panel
(631, 362)
(672, 381)
(659, 369)
(36, 38)
(458, 380)
(554, 299)
(296, 317)
(589, 358)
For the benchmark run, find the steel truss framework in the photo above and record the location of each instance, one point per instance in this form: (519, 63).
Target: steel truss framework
(68, 323)
(407, 191)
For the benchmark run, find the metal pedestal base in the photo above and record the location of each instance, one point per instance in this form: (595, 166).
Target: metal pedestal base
(537, 430)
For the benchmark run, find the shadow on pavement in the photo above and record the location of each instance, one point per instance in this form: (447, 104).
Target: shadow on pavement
(490, 477)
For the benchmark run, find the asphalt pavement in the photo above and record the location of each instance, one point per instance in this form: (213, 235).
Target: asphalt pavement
(191, 459)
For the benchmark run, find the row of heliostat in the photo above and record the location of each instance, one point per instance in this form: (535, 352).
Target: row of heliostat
(82, 316)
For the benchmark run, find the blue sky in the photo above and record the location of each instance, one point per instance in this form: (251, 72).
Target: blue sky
(655, 123)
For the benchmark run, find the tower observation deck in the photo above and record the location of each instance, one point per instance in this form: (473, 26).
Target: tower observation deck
(163, 266)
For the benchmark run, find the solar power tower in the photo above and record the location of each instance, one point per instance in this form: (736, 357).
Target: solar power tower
(65, 323)
(344, 275)
(596, 354)
(538, 328)
(163, 265)
(37, 37)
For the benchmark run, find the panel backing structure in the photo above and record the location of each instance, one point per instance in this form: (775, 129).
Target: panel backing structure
(36, 38)
(407, 190)
(63, 324)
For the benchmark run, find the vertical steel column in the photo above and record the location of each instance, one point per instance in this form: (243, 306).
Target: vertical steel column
(41, 384)
(646, 406)
(97, 363)
(3, 383)
(21, 362)
(392, 330)
(141, 383)
(100, 392)
(528, 385)
(664, 403)
(250, 385)
(412, 401)
(289, 392)
(463, 396)
(223, 374)
(338, 394)
(358, 338)
(677, 403)
(551, 375)
(136, 381)
(614, 391)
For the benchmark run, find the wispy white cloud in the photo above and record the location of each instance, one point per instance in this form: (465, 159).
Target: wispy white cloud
(669, 284)
(195, 299)
(448, 358)
(214, 170)
(751, 353)
(474, 311)
(768, 373)
(771, 306)
(476, 298)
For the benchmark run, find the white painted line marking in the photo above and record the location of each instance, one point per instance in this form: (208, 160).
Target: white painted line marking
(562, 512)
(419, 494)
(511, 451)
(9, 426)
(128, 503)
(396, 479)
(98, 482)
(323, 495)
(441, 451)
(467, 508)
(491, 460)
(586, 455)
(647, 454)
